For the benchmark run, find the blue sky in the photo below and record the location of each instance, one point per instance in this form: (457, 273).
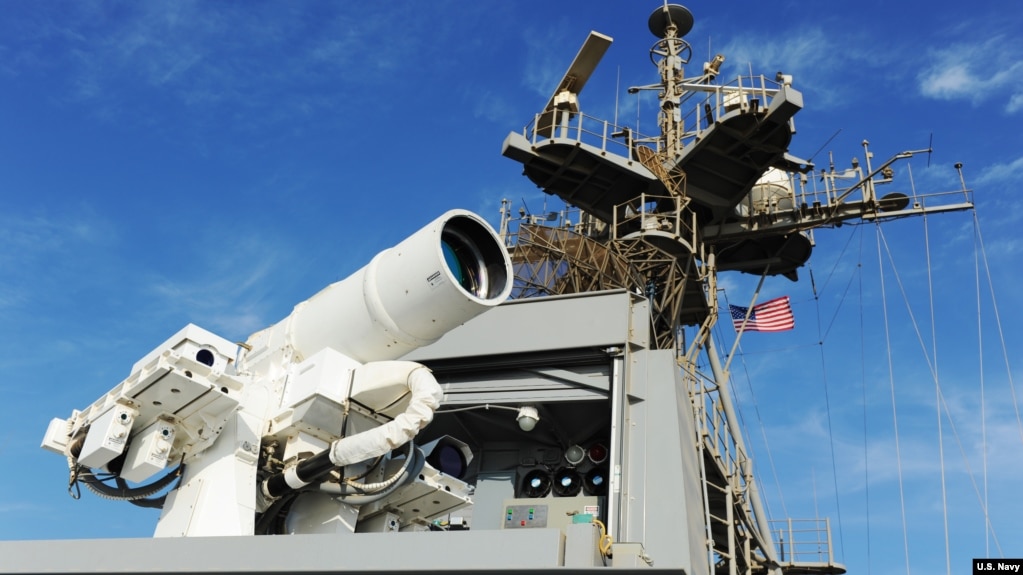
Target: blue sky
(215, 163)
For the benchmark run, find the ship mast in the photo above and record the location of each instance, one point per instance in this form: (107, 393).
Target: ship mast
(670, 24)
(716, 190)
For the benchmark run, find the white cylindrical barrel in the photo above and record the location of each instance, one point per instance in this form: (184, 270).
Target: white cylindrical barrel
(408, 296)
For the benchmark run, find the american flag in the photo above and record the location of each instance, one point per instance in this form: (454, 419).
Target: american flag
(774, 315)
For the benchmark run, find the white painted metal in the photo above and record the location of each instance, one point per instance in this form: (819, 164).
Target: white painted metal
(374, 380)
(108, 435)
(406, 297)
(149, 451)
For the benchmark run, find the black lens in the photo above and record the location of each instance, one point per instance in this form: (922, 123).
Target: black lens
(448, 459)
(595, 482)
(465, 262)
(536, 483)
(567, 482)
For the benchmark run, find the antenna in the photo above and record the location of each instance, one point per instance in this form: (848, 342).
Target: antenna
(566, 94)
(525, 206)
(930, 148)
(671, 15)
(814, 155)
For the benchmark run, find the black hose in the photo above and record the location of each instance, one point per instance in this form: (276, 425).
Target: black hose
(124, 493)
(267, 517)
(150, 502)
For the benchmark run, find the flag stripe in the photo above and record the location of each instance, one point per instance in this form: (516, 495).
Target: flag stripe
(773, 315)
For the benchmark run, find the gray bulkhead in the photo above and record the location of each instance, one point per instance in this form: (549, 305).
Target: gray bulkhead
(585, 359)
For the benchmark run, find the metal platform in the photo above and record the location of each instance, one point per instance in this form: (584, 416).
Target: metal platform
(592, 164)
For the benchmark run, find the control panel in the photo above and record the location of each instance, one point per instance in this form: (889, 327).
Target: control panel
(553, 512)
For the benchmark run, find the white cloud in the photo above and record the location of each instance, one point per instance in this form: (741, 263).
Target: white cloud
(492, 106)
(29, 243)
(251, 63)
(1005, 247)
(976, 72)
(809, 49)
(543, 72)
(818, 60)
(1015, 103)
(952, 82)
(1001, 173)
(229, 293)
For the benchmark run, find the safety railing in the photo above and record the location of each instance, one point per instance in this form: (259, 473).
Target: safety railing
(579, 127)
(649, 212)
(803, 540)
(712, 423)
(705, 102)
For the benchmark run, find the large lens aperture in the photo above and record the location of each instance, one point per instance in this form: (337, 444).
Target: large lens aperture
(465, 262)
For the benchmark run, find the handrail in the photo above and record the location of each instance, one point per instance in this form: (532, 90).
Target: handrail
(804, 540)
(719, 99)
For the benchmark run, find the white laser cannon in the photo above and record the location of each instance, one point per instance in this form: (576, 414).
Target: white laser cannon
(296, 430)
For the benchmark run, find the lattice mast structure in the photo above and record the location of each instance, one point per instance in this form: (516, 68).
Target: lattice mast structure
(648, 244)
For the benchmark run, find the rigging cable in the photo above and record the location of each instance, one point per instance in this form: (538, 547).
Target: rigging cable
(937, 390)
(937, 384)
(998, 322)
(821, 338)
(979, 238)
(944, 403)
(891, 382)
(863, 388)
(983, 400)
(834, 317)
(827, 406)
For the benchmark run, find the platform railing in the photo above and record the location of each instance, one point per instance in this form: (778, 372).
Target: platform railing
(579, 127)
(651, 212)
(705, 103)
(708, 102)
(803, 540)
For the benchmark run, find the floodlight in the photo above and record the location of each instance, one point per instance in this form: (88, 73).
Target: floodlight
(595, 481)
(448, 455)
(574, 455)
(567, 482)
(536, 483)
(528, 417)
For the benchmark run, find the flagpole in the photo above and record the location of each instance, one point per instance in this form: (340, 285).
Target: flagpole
(749, 312)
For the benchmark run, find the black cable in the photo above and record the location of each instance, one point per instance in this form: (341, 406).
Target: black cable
(270, 515)
(150, 502)
(354, 495)
(122, 492)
